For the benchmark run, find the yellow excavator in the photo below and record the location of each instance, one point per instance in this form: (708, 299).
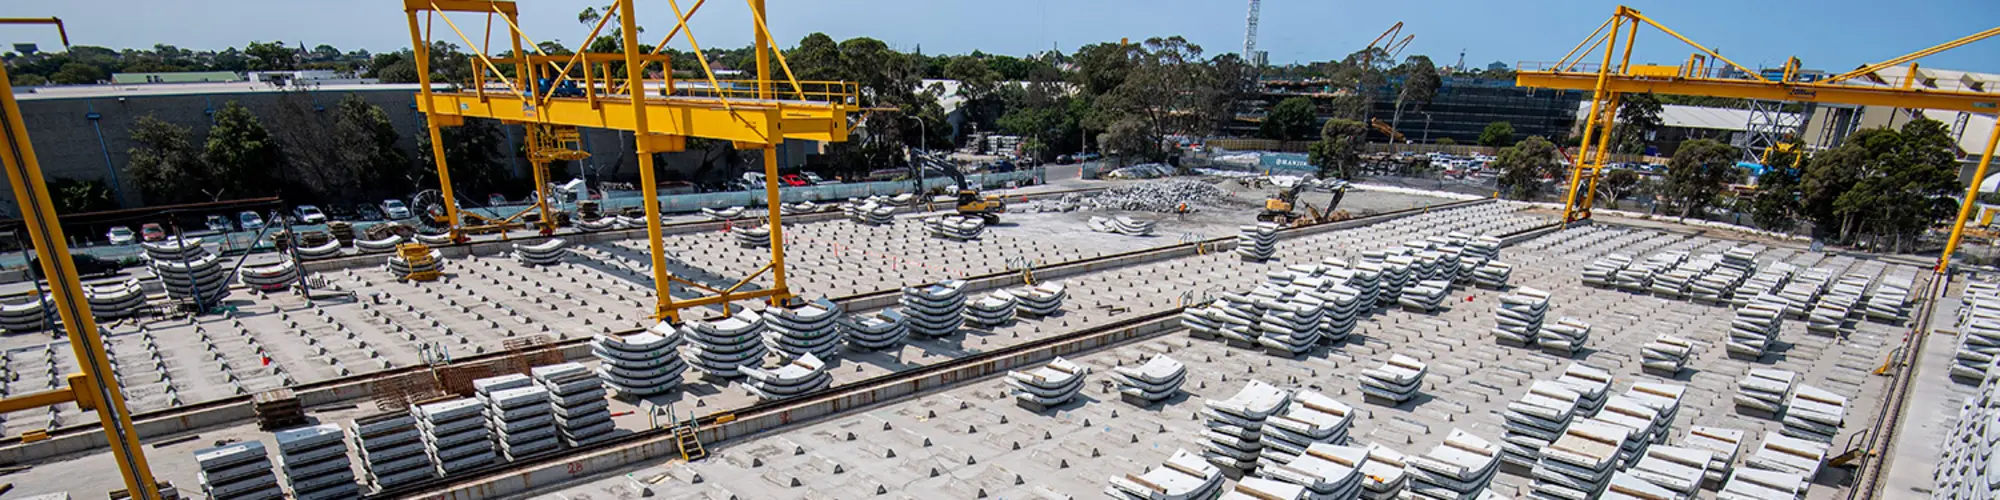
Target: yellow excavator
(970, 202)
(1282, 206)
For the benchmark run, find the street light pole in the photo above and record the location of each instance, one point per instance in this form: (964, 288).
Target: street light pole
(1427, 127)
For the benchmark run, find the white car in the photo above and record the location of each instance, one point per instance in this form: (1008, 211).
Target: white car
(395, 209)
(309, 214)
(121, 235)
(250, 221)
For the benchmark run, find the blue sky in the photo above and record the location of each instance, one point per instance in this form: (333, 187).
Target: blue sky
(1827, 34)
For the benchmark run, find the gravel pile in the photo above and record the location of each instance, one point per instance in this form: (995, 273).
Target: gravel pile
(1157, 196)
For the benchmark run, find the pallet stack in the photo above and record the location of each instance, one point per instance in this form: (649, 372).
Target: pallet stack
(315, 463)
(576, 400)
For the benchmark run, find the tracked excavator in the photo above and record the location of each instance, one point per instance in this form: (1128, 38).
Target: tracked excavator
(970, 202)
(1282, 206)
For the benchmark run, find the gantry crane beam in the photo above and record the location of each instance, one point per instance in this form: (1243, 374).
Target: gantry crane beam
(548, 90)
(1608, 80)
(96, 388)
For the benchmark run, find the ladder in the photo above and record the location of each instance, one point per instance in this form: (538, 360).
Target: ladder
(1853, 452)
(690, 443)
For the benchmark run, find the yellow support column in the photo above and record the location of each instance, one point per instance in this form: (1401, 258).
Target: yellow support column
(1971, 198)
(763, 62)
(1599, 100)
(98, 388)
(422, 52)
(663, 308)
(774, 203)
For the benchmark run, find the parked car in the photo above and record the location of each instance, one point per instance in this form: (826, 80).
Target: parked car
(367, 212)
(121, 235)
(219, 224)
(1065, 159)
(250, 221)
(308, 214)
(394, 209)
(496, 199)
(339, 211)
(812, 178)
(792, 180)
(152, 232)
(87, 265)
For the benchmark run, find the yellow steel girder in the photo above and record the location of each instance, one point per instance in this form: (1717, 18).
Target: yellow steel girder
(687, 117)
(1770, 91)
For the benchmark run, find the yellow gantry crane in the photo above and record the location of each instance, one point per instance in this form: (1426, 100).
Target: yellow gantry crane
(637, 92)
(96, 387)
(1608, 80)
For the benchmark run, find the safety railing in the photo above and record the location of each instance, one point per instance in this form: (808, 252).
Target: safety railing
(811, 91)
(1923, 80)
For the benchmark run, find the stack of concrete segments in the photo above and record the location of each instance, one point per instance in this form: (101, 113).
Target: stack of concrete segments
(400, 267)
(1426, 296)
(1814, 413)
(1798, 458)
(803, 207)
(1311, 418)
(1047, 386)
(1638, 278)
(188, 270)
(1122, 225)
(1234, 435)
(1185, 476)
(272, 277)
(1492, 275)
(1397, 277)
(881, 330)
(1665, 401)
(1723, 444)
(1799, 294)
(547, 253)
(640, 364)
(1717, 286)
(1633, 485)
(1564, 337)
(1385, 474)
(1324, 470)
(1890, 301)
(1764, 391)
(871, 213)
(1461, 467)
(1643, 421)
(935, 310)
(1742, 259)
(1342, 312)
(811, 328)
(519, 414)
(315, 462)
(110, 301)
(437, 239)
(26, 316)
(241, 470)
(1666, 355)
(1966, 466)
(1755, 327)
(955, 227)
(1367, 278)
(1536, 420)
(1257, 243)
(1592, 386)
(993, 310)
(1679, 470)
(1679, 281)
(751, 237)
(802, 375)
(1154, 381)
(391, 449)
(623, 221)
(1290, 323)
(1519, 316)
(1758, 484)
(720, 348)
(1978, 337)
(1258, 488)
(576, 399)
(1767, 282)
(1601, 271)
(385, 245)
(1396, 381)
(729, 213)
(1040, 300)
(1580, 462)
(326, 250)
(599, 224)
(1841, 302)
(455, 435)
